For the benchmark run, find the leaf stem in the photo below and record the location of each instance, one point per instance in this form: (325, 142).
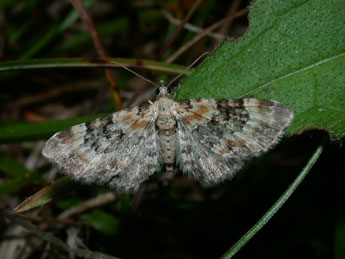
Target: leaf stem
(277, 205)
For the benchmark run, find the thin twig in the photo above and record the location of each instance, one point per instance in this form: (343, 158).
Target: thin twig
(51, 220)
(225, 28)
(179, 29)
(231, 12)
(199, 36)
(89, 204)
(51, 93)
(51, 239)
(109, 73)
(191, 27)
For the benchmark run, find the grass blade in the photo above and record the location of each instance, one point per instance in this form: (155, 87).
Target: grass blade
(273, 210)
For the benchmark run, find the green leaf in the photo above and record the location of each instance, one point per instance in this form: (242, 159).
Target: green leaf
(102, 221)
(11, 167)
(294, 52)
(47, 194)
(43, 38)
(109, 28)
(18, 182)
(69, 202)
(19, 176)
(38, 130)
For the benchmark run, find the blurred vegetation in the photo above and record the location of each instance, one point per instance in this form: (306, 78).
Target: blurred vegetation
(173, 218)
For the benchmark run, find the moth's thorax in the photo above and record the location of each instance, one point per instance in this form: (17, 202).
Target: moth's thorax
(165, 104)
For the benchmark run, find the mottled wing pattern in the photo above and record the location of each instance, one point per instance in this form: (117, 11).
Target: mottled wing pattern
(114, 150)
(214, 137)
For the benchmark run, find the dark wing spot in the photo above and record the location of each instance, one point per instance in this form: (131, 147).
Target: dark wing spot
(234, 112)
(187, 104)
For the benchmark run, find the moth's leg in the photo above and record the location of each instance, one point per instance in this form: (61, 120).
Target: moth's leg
(177, 89)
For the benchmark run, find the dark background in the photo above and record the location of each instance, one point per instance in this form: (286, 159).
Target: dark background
(174, 218)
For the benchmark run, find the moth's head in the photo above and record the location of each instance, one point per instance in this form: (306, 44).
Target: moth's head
(163, 91)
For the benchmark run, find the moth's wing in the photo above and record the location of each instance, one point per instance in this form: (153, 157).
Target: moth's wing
(120, 150)
(147, 161)
(216, 136)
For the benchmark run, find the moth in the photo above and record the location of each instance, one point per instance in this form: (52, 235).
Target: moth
(207, 139)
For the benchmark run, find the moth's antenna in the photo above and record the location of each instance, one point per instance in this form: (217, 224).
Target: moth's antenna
(135, 73)
(184, 71)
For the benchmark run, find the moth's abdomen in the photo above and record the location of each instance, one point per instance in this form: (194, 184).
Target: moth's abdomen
(166, 126)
